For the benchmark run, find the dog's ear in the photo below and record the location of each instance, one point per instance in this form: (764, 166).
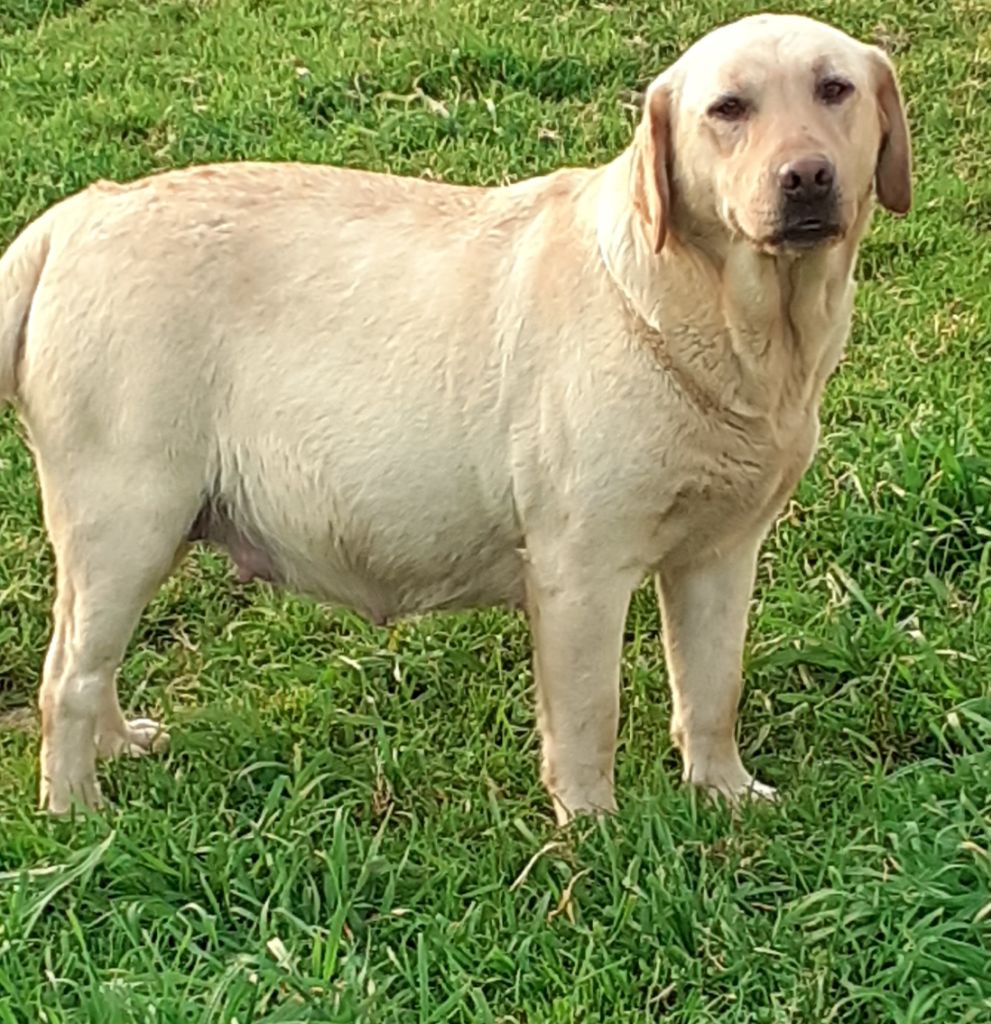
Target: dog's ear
(893, 178)
(652, 187)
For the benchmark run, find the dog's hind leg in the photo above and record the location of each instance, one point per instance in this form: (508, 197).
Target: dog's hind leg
(116, 538)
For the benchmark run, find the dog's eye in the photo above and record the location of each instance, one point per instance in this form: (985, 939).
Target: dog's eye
(729, 108)
(834, 90)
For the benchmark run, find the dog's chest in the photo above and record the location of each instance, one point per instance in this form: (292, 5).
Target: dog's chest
(732, 482)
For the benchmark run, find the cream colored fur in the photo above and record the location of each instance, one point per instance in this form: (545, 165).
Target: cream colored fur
(414, 396)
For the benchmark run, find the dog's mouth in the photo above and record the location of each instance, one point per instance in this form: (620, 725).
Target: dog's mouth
(806, 233)
(797, 231)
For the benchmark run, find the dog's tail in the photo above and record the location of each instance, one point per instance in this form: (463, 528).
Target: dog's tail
(20, 270)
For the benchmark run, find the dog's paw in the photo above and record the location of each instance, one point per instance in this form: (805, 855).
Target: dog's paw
(60, 796)
(733, 784)
(571, 806)
(140, 736)
(755, 790)
(146, 736)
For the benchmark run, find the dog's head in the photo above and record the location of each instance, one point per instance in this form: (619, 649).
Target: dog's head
(775, 129)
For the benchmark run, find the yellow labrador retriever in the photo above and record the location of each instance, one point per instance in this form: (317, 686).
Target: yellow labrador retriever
(400, 396)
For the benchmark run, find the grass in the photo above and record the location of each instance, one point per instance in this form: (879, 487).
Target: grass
(336, 833)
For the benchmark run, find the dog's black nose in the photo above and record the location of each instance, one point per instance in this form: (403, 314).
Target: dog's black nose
(807, 179)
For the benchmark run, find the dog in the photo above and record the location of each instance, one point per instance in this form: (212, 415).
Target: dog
(399, 395)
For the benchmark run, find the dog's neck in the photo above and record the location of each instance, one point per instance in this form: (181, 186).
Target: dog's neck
(753, 333)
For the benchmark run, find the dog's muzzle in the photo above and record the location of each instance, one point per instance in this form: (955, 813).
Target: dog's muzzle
(808, 203)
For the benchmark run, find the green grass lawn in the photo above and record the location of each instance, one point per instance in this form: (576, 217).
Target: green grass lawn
(342, 828)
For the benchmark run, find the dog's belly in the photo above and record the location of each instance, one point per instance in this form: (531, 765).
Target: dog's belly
(451, 581)
(341, 572)
(480, 571)
(378, 546)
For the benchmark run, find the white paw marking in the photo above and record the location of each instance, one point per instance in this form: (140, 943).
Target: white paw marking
(146, 736)
(733, 784)
(140, 736)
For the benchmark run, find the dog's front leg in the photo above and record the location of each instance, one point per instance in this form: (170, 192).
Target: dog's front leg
(704, 609)
(577, 622)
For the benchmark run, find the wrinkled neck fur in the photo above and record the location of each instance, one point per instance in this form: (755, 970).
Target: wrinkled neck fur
(757, 333)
